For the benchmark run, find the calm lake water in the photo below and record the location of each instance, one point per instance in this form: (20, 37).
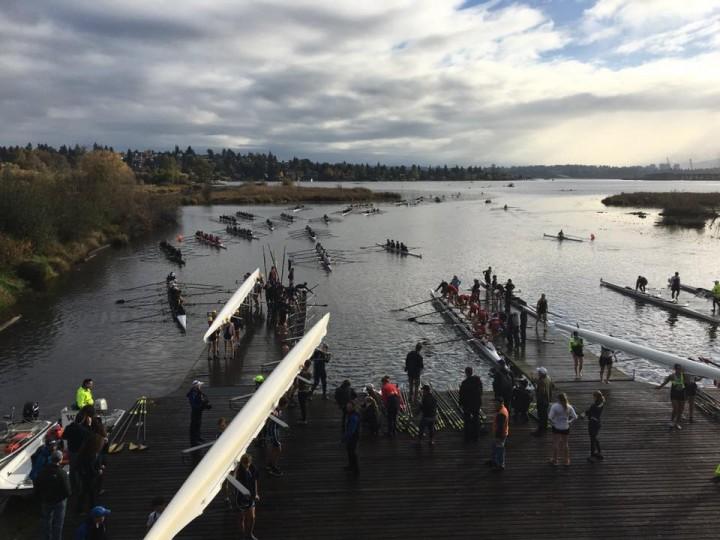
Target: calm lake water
(77, 330)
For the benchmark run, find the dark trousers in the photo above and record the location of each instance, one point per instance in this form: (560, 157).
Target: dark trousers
(516, 337)
(302, 400)
(471, 424)
(320, 377)
(74, 472)
(523, 334)
(195, 425)
(593, 430)
(344, 418)
(392, 414)
(542, 414)
(88, 491)
(53, 518)
(351, 446)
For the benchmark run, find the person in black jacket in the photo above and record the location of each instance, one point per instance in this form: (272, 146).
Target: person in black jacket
(52, 487)
(471, 390)
(414, 367)
(344, 394)
(198, 403)
(521, 399)
(74, 436)
(428, 410)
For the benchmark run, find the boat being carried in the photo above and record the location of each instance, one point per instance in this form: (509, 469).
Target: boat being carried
(398, 250)
(209, 239)
(662, 302)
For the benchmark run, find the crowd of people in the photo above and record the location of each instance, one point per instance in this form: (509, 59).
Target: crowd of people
(81, 448)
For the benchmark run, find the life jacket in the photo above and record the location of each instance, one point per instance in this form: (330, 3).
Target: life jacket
(678, 384)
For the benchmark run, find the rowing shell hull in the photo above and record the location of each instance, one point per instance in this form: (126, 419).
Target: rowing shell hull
(660, 357)
(207, 478)
(398, 252)
(563, 239)
(233, 304)
(488, 351)
(659, 301)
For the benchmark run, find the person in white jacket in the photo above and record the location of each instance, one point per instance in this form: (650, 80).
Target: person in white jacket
(561, 416)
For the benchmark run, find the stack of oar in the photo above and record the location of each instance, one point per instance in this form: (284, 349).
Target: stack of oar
(405, 421)
(447, 412)
(137, 416)
(708, 404)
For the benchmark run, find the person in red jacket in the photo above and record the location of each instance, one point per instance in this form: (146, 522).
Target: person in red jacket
(391, 399)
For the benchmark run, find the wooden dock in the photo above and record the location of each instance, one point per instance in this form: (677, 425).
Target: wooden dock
(654, 482)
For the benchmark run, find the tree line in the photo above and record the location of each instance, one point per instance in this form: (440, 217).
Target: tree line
(50, 198)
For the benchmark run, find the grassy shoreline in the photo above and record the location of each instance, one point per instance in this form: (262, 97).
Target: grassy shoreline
(677, 208)
(267, 194)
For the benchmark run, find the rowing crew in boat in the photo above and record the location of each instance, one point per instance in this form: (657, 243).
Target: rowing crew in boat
(209, 239)
(245, 215)
(287, 217)
(484, 325)
(228, 219)
(270, 225)
(239, 231)
(173, 253)
(325, 258)
(310, 232)
(396, 245)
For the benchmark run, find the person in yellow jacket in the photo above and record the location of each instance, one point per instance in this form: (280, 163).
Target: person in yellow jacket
(84, 396)
(716, 295)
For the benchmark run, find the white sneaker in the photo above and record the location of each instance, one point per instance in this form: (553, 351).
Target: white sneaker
(678, 426)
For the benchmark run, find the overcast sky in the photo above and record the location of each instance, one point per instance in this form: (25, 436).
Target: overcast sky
(427, 81)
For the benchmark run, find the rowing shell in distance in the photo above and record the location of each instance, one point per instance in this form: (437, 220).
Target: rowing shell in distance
(210, 243)
(562, 238)
(662, 302)
(398, 251)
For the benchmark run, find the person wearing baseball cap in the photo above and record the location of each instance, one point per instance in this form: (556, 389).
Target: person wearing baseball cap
(543, 397)
(198, 403)
(94, 527)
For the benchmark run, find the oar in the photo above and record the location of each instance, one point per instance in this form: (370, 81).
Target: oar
(162, 312)
(448, 341)
(154, 295)
(412, 319)
(412, 305)
(142, 286)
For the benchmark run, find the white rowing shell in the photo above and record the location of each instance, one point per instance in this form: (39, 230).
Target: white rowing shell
(233, 304)
(206, 480)
(660, 357)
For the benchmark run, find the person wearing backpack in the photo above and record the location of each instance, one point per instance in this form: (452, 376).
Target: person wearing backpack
(52, 488)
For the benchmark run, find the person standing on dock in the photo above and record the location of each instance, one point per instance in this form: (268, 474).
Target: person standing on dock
(272, 439)
(561, 416)
(344, 394)
(677, 395)
(198, 403)
(501, 430)
(487, 274)
(523, 326)
(351, 437)
(304, 386)
(475, 291)
(52, 488)
(542, 311)
(607, 357)
(247, 475)
(716, 295)
(94, 527)
(543, 396)
(470, 401)
(675, 287)
(428, 411)
(74, 436)
(576, 348)
(593, 415)
(414, 367)
(509, 288)
(391, 399)
(320, 359)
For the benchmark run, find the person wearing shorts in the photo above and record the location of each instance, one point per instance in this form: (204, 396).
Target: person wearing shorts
(576, 348)
(247, 475)
(607, 357)
(561, 416)
(677, 395)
